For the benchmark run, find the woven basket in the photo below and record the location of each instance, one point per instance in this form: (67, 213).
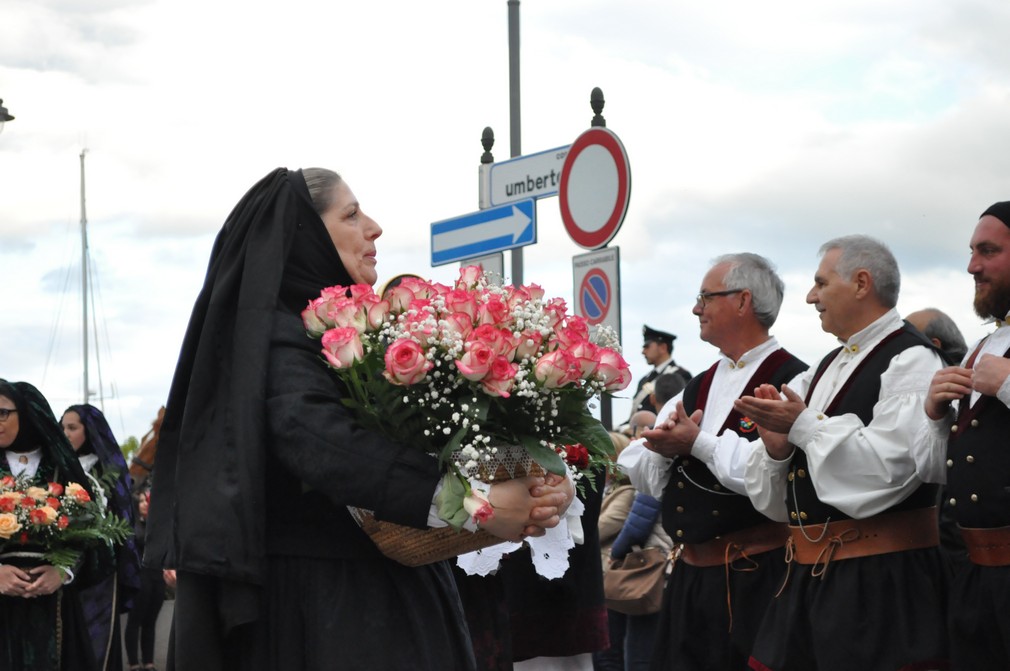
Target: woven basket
(417, 547)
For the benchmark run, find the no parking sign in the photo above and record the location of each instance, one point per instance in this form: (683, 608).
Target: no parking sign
(597, 282)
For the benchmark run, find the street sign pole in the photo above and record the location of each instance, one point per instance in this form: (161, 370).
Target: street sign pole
(514, 117)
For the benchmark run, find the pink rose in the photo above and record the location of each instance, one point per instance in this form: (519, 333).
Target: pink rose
(574, 329)
(613, 370)
(529, 344)
(342, 347)
(500, 378)
(469, 277)
(476, 361)
(406, 363)
(376, 311)
(361, 291)
(493, 310)
(458, 300)
(556, 369)
(314, 324)
(500, 340)
(344, 312)
(587, 355)
(399, 298)
(555, 310)
(535, 291)
(420, 288)
(478, 508)
(457, 325)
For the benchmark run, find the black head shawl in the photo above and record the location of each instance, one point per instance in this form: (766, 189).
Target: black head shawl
(37, 427)
(999, 210)
(207, 510)
(99, 437)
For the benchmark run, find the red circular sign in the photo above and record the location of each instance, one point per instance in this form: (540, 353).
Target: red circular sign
(595, 296)
(595, 188)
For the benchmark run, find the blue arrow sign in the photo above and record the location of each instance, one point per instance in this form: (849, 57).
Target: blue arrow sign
(484, 232)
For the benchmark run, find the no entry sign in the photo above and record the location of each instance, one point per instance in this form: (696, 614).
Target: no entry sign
(595, 188)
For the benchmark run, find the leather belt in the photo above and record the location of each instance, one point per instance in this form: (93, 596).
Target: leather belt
(877, 535)
(734, 545)
(987, 547)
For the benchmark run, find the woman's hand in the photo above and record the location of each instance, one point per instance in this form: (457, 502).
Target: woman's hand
(14, 581)
(45, 580)
(514, 505)
(548, 507)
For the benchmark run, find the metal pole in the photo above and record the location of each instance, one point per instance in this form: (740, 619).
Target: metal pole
(515, 124)
(84, 279)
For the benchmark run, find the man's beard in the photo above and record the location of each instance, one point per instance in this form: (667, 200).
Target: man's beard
(994, 304)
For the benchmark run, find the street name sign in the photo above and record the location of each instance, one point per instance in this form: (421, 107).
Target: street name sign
(529, 176)
(484, 232)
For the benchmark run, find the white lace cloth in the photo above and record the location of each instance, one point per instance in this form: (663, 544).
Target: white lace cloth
(549, 552)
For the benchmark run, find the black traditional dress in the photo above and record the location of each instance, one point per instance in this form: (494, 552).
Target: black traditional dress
(257, 461)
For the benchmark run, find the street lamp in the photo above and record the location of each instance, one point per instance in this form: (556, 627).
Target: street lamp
(5, 116)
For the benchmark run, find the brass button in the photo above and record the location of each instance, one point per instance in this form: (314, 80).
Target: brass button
(791, 476)
(680, 484)
(820, 415)
(974, 423)
(953, 429)
(680, 533)
(793, 514)
(953, 501)
(970, 459)
(680, 509)
(801, 473)
(803, 515)
(950, 462)
(974, 498)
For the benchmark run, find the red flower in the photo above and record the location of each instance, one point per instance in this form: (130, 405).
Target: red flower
(63, 522)
(38, 517)
(577, 455)
(7, 482)
(23, 538)
(27, 502)
(53, 503)
(56, 489)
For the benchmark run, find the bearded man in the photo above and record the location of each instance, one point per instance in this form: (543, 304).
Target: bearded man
(969, 414)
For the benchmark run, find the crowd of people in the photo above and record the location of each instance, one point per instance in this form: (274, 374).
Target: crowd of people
(798, 501)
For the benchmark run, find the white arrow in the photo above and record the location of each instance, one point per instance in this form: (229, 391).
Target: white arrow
(512, 225)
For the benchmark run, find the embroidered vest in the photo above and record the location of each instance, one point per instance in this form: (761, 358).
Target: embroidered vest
(978, 464)
(857, 396)
(696, 507)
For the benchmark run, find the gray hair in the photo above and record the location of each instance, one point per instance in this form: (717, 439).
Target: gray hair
(756, 274)
(861, 252)
(320, 182)
(943, 328)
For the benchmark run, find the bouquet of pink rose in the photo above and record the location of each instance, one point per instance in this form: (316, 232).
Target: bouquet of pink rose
(60, 520)
(461, 370)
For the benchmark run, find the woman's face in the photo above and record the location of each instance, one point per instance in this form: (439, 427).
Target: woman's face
(9, 427)
(73, 428)
(353, 233)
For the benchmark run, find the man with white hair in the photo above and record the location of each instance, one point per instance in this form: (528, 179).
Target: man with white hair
(731, 557)
(839, 462)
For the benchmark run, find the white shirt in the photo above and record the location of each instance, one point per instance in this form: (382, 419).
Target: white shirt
(860, 469)
(933, 434)
(31, 465)
(726, 454)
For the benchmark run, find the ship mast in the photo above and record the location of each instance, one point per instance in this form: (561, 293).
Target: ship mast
(84, 281)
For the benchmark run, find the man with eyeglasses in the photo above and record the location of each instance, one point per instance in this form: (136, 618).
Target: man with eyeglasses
(731, 557)
(839, 461)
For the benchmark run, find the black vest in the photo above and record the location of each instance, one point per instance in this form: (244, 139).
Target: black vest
(978, 464)
(857, 396)
(696, 507)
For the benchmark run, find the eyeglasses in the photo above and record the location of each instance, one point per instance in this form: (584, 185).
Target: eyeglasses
(702, 298)
(5, 413)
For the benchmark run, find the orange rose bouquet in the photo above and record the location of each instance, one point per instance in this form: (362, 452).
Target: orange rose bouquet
(63, 521)
(460, 371)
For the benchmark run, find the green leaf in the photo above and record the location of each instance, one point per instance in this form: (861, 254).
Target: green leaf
(543, 455)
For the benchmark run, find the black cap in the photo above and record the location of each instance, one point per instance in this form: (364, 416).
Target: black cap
(999, 210)
(650, 334)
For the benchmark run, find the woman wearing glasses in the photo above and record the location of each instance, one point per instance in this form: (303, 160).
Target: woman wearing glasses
(41, 625)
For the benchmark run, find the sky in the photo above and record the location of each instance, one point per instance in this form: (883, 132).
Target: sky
(765, 127)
